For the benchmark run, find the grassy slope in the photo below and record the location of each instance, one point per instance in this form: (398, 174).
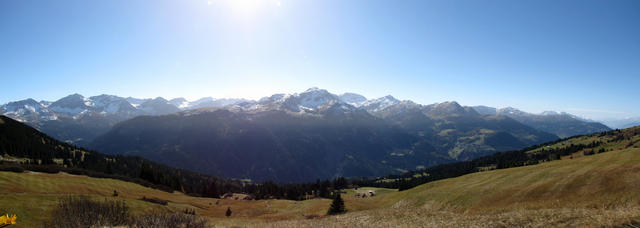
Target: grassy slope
(598, 189)
(602, 189)
(31, 195)
(611, 178)
(591, 191)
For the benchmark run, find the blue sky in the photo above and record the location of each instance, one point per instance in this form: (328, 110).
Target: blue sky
(577, 56)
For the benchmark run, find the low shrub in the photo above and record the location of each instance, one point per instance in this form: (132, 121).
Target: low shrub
(155, 200)
(81, 211)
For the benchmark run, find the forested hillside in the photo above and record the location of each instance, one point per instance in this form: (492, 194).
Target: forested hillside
(22, 147)
(570, 148)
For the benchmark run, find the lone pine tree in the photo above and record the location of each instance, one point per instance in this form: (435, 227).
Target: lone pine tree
(337, 206)
(228, 213)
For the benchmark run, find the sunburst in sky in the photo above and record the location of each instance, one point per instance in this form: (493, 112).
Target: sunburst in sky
(245, 7)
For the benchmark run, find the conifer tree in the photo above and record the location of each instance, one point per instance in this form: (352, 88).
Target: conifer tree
(337, 206)
(228, 213)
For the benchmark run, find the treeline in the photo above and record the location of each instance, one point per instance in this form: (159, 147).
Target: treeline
(501, 160)
(41, 153)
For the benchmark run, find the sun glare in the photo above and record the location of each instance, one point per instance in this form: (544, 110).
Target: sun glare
(246, 7)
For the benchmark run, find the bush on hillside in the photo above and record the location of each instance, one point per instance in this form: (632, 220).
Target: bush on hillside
(81, 211)
(155, 200)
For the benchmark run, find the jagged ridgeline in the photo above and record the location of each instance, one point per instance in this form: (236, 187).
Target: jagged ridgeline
(569, 148)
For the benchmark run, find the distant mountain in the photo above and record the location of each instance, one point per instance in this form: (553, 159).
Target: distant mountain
(622, 123)
(353, 99)
(317, 134)
(209, 102)
(79, 120)
(28, 110)
(379, 104)
(180, 102)
(561, 124)
(136, 101)
(485, 110)
(113, 105)
(72, 105)
(158, 106)
(76, 106)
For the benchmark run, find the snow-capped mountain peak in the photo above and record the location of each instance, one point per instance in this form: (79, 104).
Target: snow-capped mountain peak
(275, 98)
(314, 97)
(46, 103)
(380, 104)
(110, 104)
(210, 102)
(448, 108)
(73, 105)
(510, 111)
(27, 110)
(549, 113)
(311, 100)
(158, 106)
(353, 99)
(180, 102)
(136, 101)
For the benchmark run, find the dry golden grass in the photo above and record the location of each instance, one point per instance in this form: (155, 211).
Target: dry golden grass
(594, 191)
(590, 191)
(419, 217)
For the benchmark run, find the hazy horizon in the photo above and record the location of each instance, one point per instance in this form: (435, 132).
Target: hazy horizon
(580, 57)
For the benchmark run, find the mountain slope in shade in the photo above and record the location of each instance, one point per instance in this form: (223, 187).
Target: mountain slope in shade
(30, 146)
(561, 124)
(314, 134)
(264, 146)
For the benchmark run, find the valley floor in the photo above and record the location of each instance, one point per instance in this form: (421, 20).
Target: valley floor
(590, 191)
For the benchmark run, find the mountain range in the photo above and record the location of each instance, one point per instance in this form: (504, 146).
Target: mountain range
(293, 137)
(561, 124)
(623, 122)
(317, 134)
(78, 119)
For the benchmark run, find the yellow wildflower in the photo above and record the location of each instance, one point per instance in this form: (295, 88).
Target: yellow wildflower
(13, 219)
(8, 220)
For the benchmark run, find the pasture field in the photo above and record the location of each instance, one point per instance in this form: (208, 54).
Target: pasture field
(589, 191)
